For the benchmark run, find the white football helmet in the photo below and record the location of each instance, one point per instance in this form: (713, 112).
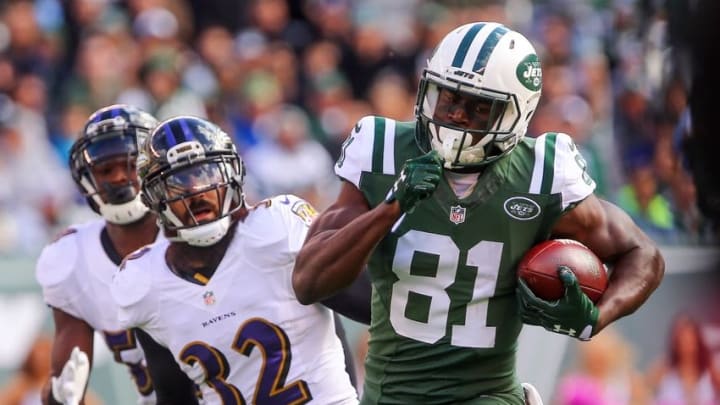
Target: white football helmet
(183, 158)
(491, 65)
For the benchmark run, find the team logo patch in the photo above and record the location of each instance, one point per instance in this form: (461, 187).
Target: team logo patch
(529, 72)
(521, 208)
(305, 211)
(457, 214)
(209, 298)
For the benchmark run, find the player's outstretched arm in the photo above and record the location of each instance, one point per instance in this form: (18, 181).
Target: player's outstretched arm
(339, 243)
(70, 333)
(340, 240)
(637, 265)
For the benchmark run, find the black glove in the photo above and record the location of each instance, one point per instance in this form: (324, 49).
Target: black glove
(418, 180)
(574, 314)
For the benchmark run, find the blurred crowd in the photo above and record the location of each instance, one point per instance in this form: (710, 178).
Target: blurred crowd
(289, 79)
(606, 371)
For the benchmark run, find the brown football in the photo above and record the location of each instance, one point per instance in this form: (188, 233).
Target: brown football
(539, 269)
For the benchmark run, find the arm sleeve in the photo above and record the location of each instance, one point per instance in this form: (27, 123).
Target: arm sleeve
(130, 290)
(172, 385)
(571, 178)
(298, 221)
(356, 155)
(55, 272)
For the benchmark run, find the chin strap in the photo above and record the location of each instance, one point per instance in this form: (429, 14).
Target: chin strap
(203, 235)
(119, 214)
(451, 143)
(211, 232)
(122, 214)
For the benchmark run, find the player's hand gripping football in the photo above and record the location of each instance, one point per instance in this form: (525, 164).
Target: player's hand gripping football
(574, 314)
(69, 386)
(418, 179)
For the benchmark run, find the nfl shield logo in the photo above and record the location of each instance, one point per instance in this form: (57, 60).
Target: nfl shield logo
(209, 298)
(457, 214)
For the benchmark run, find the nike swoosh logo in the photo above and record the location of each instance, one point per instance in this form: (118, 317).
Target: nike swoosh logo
(286, 201)
(358, 125)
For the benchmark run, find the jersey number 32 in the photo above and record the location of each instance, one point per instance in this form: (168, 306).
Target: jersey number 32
(271, 388)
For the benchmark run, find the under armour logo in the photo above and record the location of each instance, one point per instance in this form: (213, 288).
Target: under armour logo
(558, 329)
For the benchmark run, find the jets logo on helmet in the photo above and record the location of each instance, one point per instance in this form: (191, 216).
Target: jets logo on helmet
(492, 68)
(111, 134)
(529, 73)
(185, 159)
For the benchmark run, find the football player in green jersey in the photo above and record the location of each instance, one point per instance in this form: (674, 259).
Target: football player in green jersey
(442, 209)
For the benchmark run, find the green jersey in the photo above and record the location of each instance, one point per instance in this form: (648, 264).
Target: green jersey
(444, 317)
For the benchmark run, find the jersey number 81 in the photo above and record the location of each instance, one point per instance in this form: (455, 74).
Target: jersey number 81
(485, 256)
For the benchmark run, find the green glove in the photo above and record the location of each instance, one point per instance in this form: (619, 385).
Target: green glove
(573, 314)
(418, 179)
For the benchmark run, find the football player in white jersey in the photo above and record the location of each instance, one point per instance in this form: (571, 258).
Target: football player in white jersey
(75, 271)
(218, 291)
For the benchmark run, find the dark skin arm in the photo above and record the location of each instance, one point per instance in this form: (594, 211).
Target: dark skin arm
(339, 243)
(637, 264)
(69, 332)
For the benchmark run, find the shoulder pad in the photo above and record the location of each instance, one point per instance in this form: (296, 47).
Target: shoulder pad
(358, 150)
(131, 283)
(558, 159)
(295, 208)
(284, 210)
(279, 228)
(65, 232)
(58, 259)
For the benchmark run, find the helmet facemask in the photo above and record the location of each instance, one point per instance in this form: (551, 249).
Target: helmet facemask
(196, 195)
(491, 118)
(479, 62)
(90, 157)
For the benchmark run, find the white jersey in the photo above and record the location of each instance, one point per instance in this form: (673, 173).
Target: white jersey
(242, 336)
(75, 274)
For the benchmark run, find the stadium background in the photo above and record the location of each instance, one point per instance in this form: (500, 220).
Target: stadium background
(288, 79)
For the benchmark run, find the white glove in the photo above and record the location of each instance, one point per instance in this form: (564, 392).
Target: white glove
(69, 386)
(532, 397)
(195, 372)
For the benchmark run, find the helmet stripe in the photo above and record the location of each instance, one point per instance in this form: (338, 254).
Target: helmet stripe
(177, 131)
(186, 131)
(488, 46)
(465, 44)
(169, 136)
